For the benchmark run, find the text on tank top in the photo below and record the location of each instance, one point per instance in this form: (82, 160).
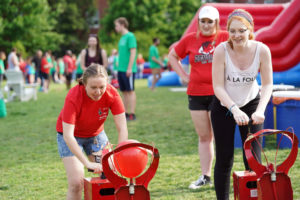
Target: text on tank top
(241, 85)
(96, 59)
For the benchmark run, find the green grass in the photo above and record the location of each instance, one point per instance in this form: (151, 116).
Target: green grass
(30, 167)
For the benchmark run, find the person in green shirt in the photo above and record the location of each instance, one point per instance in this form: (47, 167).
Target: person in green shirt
(155, 62)
(2, 67)
(127, 69)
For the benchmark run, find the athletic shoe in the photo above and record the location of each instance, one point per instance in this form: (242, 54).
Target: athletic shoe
(202, 181)
(127, 116)
(132, 117)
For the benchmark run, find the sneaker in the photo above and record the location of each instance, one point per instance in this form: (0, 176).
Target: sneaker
(202, 181)
(127, 116)
(132, 117)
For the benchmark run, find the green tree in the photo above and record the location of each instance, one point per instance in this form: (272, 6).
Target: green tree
(27, 25)
(165, 19)
(74, 18)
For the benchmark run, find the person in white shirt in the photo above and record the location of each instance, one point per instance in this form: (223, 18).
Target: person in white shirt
(12, 60)
(234, 69)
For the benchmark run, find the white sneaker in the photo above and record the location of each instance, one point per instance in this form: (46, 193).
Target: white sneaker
(202, 181)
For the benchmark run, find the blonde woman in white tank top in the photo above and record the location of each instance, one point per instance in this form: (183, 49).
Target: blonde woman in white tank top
(234, 69)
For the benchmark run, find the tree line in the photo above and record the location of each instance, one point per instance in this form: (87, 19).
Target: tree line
(58, 25)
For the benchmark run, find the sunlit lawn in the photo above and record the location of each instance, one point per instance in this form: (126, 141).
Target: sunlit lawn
(30, 166)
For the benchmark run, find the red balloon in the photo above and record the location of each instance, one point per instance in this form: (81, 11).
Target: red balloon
(132, 161)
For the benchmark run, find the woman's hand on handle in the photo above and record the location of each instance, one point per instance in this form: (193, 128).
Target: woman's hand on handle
(258, 117)
(96, 167)
(239, 116)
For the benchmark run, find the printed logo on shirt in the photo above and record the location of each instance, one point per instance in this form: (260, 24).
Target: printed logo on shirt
(238, 79)
(206, 53)
(103, 113)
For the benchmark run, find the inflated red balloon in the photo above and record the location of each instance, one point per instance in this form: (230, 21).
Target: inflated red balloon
(132, 161)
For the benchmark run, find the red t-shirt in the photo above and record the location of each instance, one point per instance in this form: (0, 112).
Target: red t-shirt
(69, 64)
(200, 51)
(88, 115)
(44, 62)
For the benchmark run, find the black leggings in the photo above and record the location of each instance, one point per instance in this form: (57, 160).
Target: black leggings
(224, 127)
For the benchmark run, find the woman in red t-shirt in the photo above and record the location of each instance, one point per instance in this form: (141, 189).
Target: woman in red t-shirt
(80, 125)
(200, 46)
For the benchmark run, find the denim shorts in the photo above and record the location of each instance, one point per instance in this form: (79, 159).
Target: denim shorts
(84, 143)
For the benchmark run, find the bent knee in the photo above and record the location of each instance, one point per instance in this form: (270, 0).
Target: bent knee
(76, 185)
(205, 138)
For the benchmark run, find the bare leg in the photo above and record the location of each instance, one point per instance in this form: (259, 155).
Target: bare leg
(203, 128)
(75, 175)
(126, 101)
(156, 76)
(132, 101)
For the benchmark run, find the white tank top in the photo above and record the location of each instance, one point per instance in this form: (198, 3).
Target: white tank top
(10, 63)
(241, 85)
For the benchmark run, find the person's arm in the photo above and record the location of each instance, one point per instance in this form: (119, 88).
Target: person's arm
(218, 70)
(82, 59)
(68, 133)
(121, 125)
(258, 116)
(176, 65)
(104, 58)
(131, 61)
(157, 61)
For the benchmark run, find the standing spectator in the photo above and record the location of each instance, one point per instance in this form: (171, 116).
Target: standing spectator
(115, 65)
(81, 124)
(29, 71)
(166, 62)
(53, 70)
(93, 54)
(140, 65)
(2, 67)
(235, 67)
(22, 63)
(127, 66)
(74, 74)
(37, 65)
(155, 62)
(61, 70)
(200, 46)
(69, 68)
(12, 60)
(45, 72)
(110, 67)
(79, 70)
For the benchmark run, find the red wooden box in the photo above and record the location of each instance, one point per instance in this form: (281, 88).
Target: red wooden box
(98, 189)
(244, 185)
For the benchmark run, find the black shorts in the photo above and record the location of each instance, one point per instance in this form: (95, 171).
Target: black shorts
(68, 76)
(126, 83)
(78, 76)
(200, 102)
(44, 75)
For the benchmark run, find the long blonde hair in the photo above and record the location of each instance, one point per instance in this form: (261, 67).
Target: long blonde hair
(94, 70)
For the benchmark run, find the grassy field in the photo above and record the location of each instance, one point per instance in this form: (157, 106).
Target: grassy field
(30, 167)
